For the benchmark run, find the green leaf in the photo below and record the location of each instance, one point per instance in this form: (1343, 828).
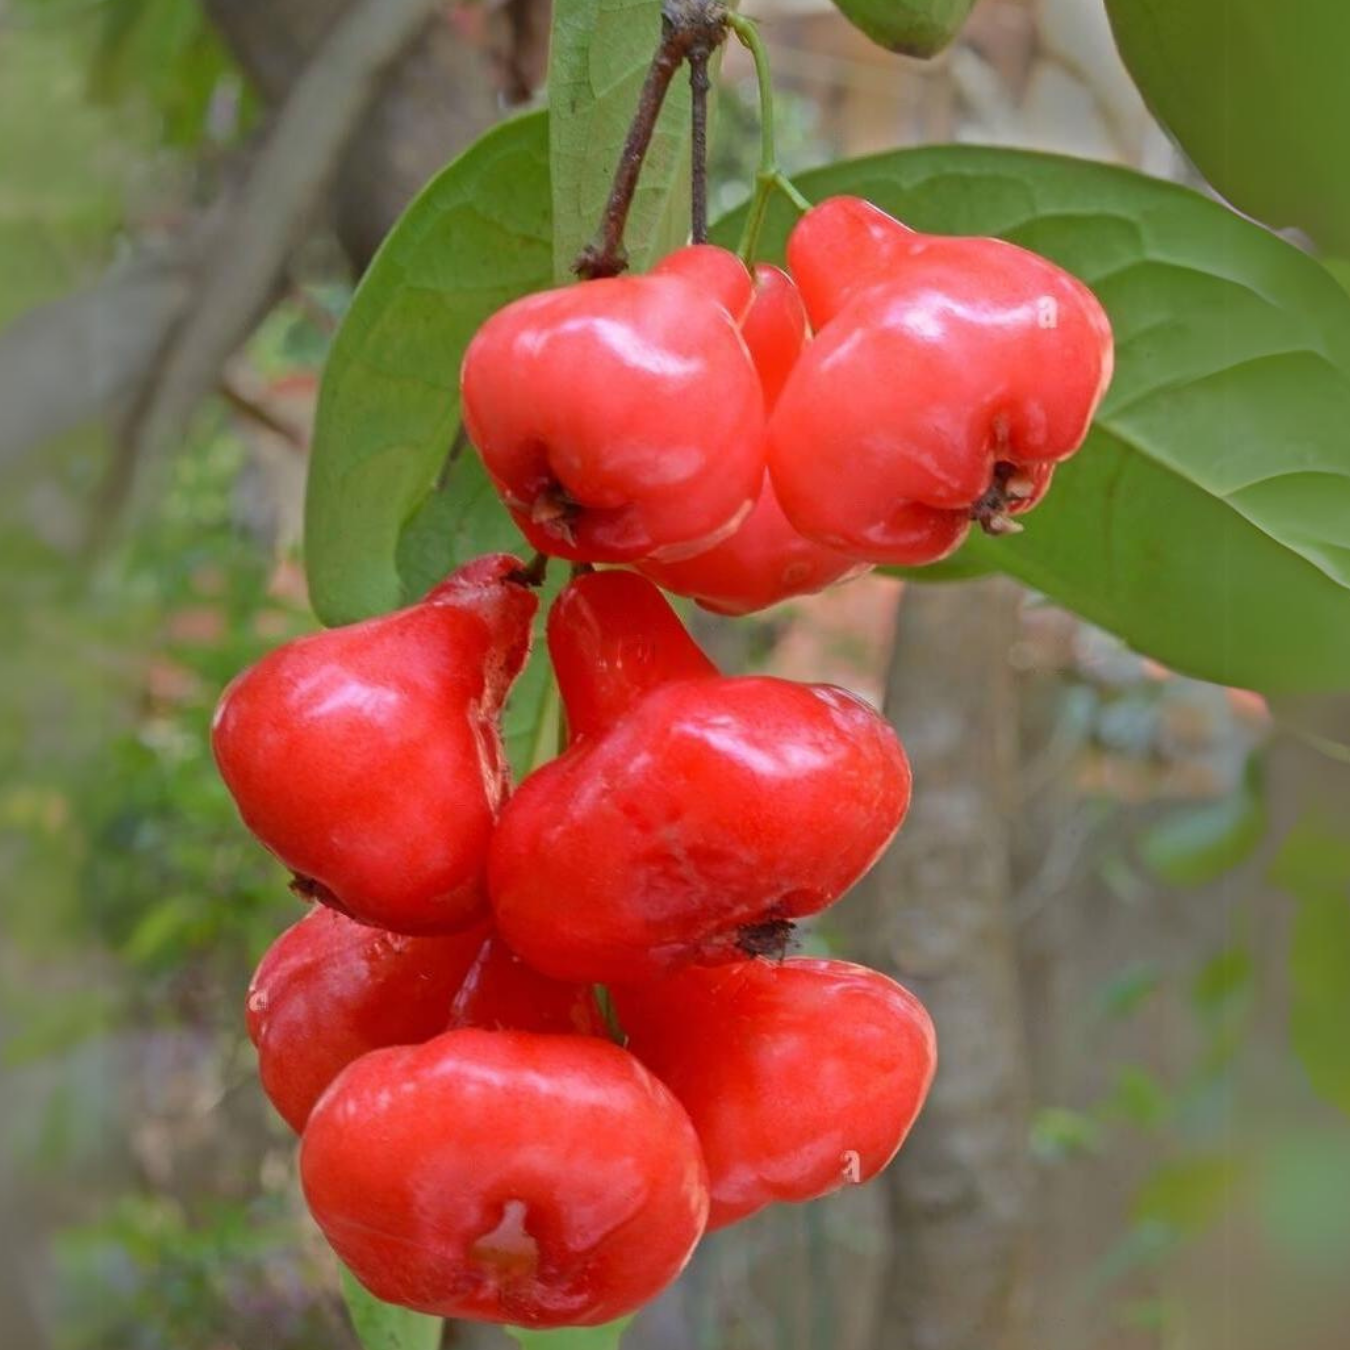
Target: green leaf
(1204, 520)
(1127, 991)
(1188, 1195)
(1223, 982)
(1195, 846)
(606, 1337)
(1253, 91)
(378, 527)
(383, 1326)
(915, 27)
(1313, 866)
(1058, 1132)
(1138, 1098)
(598, 58)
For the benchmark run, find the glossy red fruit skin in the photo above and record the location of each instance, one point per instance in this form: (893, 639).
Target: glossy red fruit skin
(766, 560)
(775, 329)
(934, 360)
(717, 272)
(330, 990)
(619, 419)
(801, 1077)
(369, 758)
(541, 1181)
(500, 992)
(689, 807)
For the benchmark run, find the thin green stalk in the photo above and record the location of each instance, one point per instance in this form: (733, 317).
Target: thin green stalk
(769, 177)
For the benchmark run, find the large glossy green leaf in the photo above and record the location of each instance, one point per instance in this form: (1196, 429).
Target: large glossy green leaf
(1205, 521)
(382, 1326)
(1256, 93)
(598, 57)
(385, 514)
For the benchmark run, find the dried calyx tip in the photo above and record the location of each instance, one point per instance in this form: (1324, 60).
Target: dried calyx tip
(1010, 485)
(770, 939)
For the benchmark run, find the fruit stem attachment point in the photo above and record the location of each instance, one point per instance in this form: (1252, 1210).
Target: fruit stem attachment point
(992, 512)
(769, 177)
(532, 574)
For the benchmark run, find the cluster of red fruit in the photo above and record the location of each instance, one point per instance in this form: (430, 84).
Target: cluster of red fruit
(897, 387)
(475, 1142)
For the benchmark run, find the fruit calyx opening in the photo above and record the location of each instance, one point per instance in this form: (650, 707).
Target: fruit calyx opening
(992, 510)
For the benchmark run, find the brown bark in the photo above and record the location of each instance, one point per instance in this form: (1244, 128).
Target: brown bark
(936, 913)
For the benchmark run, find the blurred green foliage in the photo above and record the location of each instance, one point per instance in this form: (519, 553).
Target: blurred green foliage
(147, 1276)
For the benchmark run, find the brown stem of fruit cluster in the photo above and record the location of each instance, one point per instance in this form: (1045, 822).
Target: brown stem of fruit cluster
(993, 511)
(699, 55)
(533, 573)
(690, 30)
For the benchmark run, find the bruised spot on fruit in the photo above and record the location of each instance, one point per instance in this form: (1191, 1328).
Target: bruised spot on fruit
(508, 1250)
(770, 939)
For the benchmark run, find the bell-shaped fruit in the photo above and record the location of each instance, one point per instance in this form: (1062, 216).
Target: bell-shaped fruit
(621, 419)
(914, 27)
(800, 1076)
(330, 990)
(693, 816)
(503, 1176)
(369, 758)
(766, 560)
(946, 378)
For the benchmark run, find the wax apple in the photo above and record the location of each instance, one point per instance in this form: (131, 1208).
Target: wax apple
(693, 815)
(621, 419)
(800, 1077)
(503, 1176)
(330, 990)
(946, 379)
(369, 758)
(766, 560)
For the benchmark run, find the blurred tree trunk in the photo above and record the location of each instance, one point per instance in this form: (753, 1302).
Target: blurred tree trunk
(437, 98)
(936, 913)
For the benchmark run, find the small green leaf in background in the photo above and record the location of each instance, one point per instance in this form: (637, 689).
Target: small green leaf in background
(167, 52)
(1137, 1098)
(383, 1326)
(606, 1337)
(1126, 992)
(1186, 1196)
(1204, 519)
(1313, 866)
(1255, 93)
(599, 54)
(914, 27)
(476, 237)
(1223, 982)
(1197, 845)
(1057, 1132)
